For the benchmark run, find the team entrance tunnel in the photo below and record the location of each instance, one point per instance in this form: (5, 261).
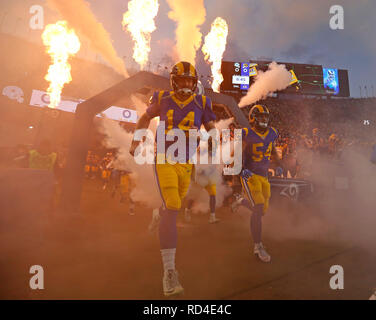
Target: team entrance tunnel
(142, 82)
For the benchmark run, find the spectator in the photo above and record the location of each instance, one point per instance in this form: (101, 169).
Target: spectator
(42, 157)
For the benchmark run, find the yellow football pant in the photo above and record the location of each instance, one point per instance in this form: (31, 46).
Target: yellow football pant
(257, 190)
(106, 174)
(211, 189)
(173, 181)
(124, 184)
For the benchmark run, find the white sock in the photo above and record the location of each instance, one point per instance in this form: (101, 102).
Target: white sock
(168, 258)
(212, 214)
(156, 214)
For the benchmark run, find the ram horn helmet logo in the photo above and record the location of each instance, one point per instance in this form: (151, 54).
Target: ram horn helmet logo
(14, 93)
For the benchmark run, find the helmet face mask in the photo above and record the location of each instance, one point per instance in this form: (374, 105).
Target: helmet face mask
(259, 117)
(183, 79)
(185, 85)
(262, 120)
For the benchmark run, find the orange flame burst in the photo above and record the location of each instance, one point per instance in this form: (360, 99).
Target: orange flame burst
(213, 49)
(61, 44)
(139, 21)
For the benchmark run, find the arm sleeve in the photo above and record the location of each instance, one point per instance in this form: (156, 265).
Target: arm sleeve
(208, 112)
(154, 106)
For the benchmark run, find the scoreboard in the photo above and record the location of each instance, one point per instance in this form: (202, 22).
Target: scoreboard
(336, 82)
(306, 79)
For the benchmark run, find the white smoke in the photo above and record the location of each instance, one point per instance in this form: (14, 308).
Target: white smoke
(344, 206)
(209, 174)
(145, 188)
(277, 77)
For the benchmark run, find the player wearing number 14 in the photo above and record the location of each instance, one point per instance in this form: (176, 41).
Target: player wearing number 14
(178, 109)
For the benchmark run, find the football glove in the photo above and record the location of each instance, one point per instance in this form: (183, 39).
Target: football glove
(246, 174)
(278, 171)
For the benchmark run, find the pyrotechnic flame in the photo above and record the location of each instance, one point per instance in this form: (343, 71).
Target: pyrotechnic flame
(189, 16)
(139, 21)
(61, 44)
(213, 49)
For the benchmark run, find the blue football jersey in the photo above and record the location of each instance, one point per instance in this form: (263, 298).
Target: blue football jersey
(195, 111)
(256, 156)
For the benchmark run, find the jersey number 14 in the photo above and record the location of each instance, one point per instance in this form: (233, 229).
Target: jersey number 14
(185, 124)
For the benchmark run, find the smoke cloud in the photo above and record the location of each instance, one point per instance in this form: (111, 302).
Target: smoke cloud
(209, 174)
(341, 210)
(82, 19)
(188, 18)
(145, 186)
(277, 77)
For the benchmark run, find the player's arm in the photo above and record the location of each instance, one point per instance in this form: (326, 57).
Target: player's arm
(275, 155)
(142, 123)
(297, 169)
(209, 125)
(208, 116)
(151, 112)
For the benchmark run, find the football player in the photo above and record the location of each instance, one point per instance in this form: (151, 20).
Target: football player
(125, 191)
(184, 110)
(106, 169)
(258, 147)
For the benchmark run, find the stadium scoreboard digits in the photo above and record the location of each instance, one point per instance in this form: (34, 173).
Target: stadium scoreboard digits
(306, 79)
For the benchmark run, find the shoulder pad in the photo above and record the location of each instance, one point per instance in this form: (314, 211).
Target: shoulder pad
(197, 101)
(274, 130)
(245, 131)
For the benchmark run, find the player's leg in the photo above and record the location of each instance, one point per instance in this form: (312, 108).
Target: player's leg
(87, 171)
(155, 219)
(168, 183)
(124, 188)
(104, 175)
(131, 207)
(185, 178)
(247, 201)
(188, 209)
(184, 172)
(254, 187)
(212, 191)
(266, 193)
(108, 177)
(253, 191)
